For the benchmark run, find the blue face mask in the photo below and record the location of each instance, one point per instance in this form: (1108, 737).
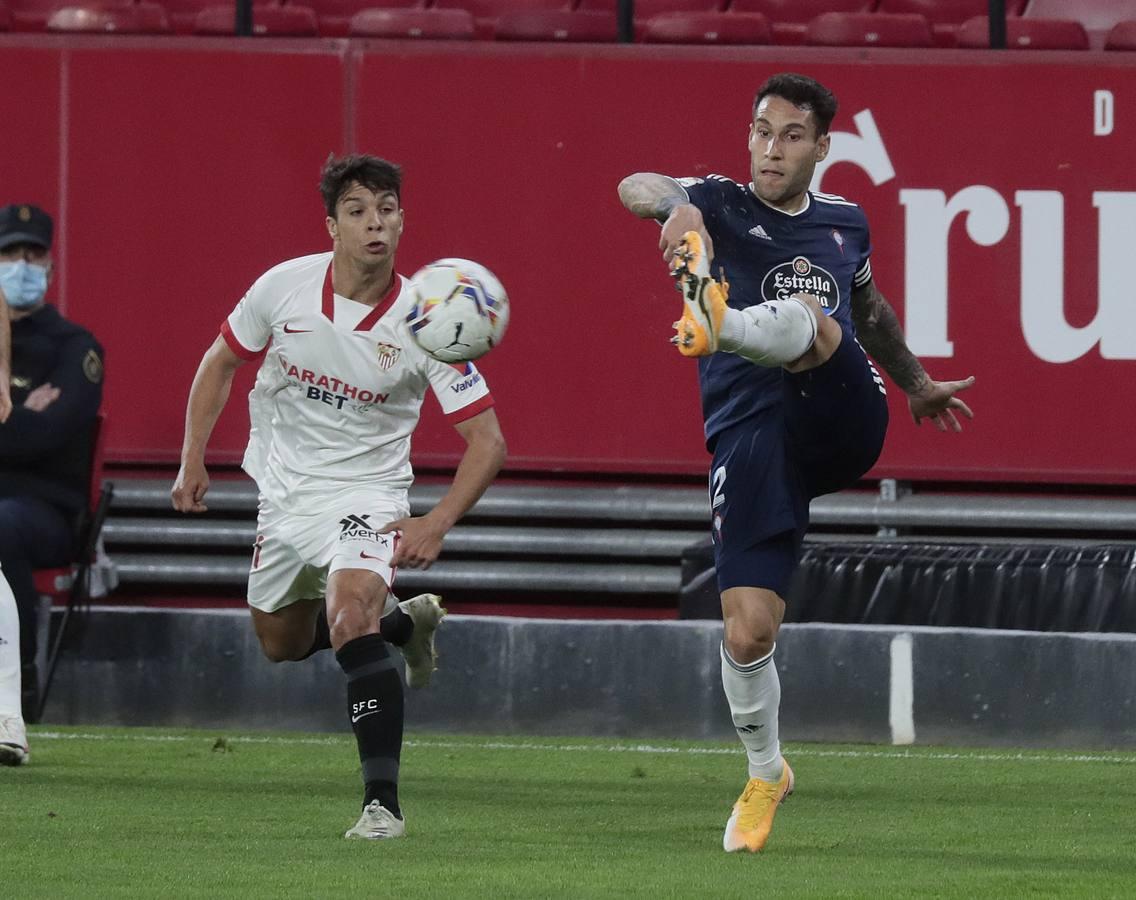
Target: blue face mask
(23, 283)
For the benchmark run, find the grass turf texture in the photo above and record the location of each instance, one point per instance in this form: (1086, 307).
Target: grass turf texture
(146, 813)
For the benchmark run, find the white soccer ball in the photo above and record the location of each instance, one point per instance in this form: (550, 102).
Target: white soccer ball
(459, 310)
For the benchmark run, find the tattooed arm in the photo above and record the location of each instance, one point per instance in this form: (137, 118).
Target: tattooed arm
(660, 197)
(651, 196)
(878, 329)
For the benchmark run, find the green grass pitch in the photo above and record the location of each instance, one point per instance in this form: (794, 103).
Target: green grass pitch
(161, 813)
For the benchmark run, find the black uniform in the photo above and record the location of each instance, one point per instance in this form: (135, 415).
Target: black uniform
(45, 457)
(779, 439)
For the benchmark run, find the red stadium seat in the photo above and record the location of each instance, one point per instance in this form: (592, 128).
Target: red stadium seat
(334, 16)
(789, 19)
(1027, 34)
(869, 30)
(32, 15)
(708, 28)
(139, 18)
(70, 585)
(433, 24)
(648, 9)
(1122, 36)
(486, 12)
(5, 19)
(1098, 16)
(183, 13)
(556, 25)
(946, 16)
(268, 20)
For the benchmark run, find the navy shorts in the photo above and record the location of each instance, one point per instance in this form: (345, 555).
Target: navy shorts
(826, 432)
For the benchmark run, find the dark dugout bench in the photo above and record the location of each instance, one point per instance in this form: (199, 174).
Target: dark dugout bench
(1032, 587)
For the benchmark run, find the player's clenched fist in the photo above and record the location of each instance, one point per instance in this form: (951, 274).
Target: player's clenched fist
(189, 489)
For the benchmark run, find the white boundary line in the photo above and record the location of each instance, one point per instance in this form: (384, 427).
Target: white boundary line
(795, 751)
(901, 707)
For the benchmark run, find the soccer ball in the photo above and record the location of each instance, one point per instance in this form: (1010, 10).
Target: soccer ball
(458, 311)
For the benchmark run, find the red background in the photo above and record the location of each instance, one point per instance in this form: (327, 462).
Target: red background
(180, 169)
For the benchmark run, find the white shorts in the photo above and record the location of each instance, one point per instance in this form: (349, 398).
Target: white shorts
(295, 551)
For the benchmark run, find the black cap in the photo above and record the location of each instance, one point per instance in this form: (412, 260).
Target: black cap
(22, 223)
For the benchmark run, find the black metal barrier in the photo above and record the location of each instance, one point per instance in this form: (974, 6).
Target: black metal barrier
(1033, 587)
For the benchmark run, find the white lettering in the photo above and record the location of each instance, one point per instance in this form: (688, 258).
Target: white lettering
(1102, 113)
(1047, 331)
(927, 229)
(1116, 223)
(865, 150)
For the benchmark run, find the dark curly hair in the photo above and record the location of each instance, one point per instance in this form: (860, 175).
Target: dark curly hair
(376, 175)
(804, 93)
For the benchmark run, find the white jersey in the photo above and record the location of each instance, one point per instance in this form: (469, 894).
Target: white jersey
(340, 389)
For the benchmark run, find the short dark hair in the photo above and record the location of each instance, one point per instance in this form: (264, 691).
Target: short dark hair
(376, 175)
(804, 93)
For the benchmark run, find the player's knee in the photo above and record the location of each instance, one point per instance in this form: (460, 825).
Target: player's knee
(748, 638)
(350, 621)
(281, 649)
(777, 332)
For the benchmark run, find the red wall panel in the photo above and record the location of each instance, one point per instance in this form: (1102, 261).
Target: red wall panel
(531, 190)
(184, 188)
(999, 188)
(30, 153)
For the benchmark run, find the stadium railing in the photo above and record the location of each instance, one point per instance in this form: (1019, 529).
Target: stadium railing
(530, 541)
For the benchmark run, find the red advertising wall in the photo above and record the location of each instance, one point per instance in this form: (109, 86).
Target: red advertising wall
(999, 188)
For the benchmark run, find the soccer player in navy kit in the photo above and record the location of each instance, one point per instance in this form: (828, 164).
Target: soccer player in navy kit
(793, 407)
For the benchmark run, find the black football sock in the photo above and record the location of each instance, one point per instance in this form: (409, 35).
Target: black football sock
(396, 627)
(323, 633)
(374, 703)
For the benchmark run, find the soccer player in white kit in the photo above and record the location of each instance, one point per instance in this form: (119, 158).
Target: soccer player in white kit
(13, 734)
(336, 400)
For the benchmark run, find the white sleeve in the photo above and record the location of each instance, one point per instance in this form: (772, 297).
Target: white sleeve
(248, 328)
(460, 388)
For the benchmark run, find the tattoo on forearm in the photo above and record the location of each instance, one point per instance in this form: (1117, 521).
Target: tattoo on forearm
(878, 330)
(651, 196)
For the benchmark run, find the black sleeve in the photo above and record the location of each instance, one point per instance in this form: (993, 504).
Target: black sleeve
(78, 374)
(705, 193)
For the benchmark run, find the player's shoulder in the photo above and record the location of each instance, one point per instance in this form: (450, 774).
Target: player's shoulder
(299, 269)
(838, 207)
(405, 296)
(722, 182)
(713, 182)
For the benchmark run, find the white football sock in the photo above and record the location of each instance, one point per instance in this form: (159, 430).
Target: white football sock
(9, 652)
(754, 693)
(770, 334)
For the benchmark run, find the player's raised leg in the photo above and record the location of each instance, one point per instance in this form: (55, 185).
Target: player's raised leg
(752, 617)
(291, 633)
(774, 333)
(13, 735)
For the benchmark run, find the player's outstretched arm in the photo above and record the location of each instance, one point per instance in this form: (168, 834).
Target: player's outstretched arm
(652, 196)
(207, 398)
(878, 329)
(421, 536)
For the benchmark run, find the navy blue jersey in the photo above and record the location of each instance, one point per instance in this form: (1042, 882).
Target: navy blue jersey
(766, 254)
